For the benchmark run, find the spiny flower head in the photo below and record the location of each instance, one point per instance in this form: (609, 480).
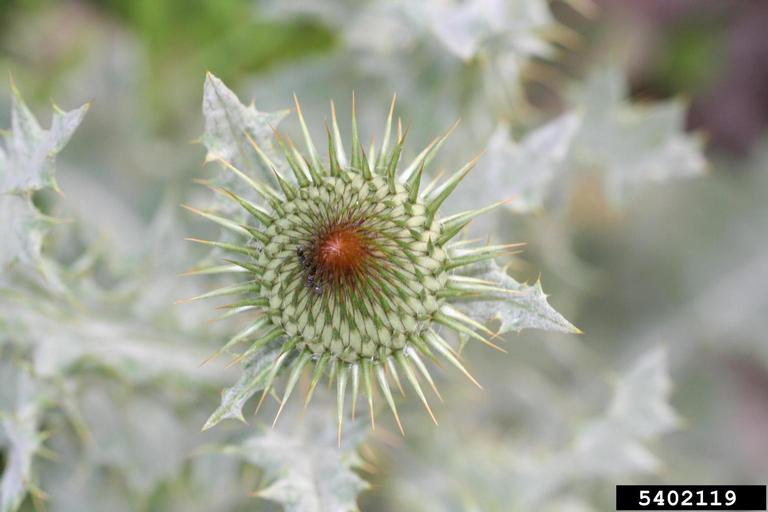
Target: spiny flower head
(351, 269)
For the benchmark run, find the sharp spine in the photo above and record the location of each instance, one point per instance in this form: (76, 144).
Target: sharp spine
(442, 192)
(293, 378)
(411, 376)
(384, 386)
(314, 161)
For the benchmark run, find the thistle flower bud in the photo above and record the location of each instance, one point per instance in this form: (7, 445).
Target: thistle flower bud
(351, 268)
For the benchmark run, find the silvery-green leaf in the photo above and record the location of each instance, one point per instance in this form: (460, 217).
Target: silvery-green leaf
(523, 307)
(61, 338)
(523, 172)
(679, 156)
(91, 489)
(616, 444)
(136, 434)
(641, 398)
(81, 483)
(305, 468)
(251, 381)
(603, 89)
(466, 27)
(604, 448)
(379, 28)
(632, 145)
(227, 124)
(21, 230)
(461, 27)
(478, 467)
(19, 415)
(28, 162)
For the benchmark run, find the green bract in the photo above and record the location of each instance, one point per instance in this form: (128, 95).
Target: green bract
(351, 270)
(367, 315)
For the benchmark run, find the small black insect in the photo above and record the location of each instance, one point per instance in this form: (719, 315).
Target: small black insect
(309, 269)
(313, 284)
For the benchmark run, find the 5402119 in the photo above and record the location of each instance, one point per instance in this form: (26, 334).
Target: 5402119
(690, 497)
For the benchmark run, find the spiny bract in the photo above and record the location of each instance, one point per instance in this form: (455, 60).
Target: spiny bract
(351, 268)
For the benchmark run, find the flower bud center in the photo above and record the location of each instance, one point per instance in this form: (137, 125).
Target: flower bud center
(342, 251)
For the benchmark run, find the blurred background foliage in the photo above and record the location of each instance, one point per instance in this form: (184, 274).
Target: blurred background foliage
(678, 263)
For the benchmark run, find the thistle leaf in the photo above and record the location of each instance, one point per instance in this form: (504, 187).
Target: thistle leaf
(525, 172)
(639, 412)
(256, 370)
(525, 307)
(126, 347)
(127, 436)
(20, 407)
(307, 471)
(227, 121)
(633, 145)
(464, 28)
(27, 163)
(641, 397)
(21, 230)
